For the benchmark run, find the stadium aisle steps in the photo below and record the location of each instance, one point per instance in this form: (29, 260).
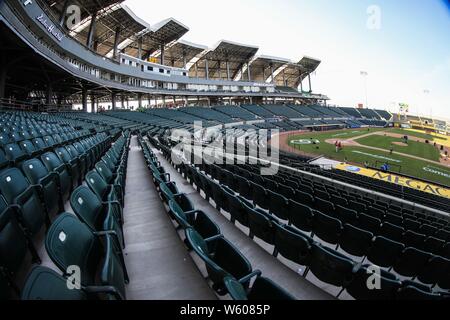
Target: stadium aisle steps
(260, 258)
(159, 265)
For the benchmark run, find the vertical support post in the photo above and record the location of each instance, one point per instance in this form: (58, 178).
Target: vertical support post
(273, 73)
(113, 101)
(116, 43)
(122, 97)
(228, 71)
(84, 99)
(184, 60)
(139, 100)
(219, 70)
(207, 69)
(309, 79)
(62, 17)
(139, 48)
(163, 49)
(301, 83)
(93, 104)
(249, 73)
(91, 33)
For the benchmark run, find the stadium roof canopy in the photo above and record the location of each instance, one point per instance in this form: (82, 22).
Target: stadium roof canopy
(261, 67)
(310, 64)
(88, 7)
(224, 56)
(180, 54)
(111, 21)
(290, 75)
(153, 38)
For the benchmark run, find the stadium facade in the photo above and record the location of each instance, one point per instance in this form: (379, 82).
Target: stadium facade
(111, 55)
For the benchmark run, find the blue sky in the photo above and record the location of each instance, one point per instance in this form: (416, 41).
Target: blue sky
(408, 54)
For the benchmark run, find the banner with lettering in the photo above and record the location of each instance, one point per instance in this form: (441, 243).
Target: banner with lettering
(397, 179)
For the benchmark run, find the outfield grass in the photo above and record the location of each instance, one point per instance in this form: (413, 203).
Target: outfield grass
(414, 148)
(360, 155)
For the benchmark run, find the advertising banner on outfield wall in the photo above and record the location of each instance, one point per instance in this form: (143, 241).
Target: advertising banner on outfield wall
(396, 179)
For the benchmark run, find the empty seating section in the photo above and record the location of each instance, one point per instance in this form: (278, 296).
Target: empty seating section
(338, 234)
(237, 113)
(284, 111)
(229, 272)
(44, 161)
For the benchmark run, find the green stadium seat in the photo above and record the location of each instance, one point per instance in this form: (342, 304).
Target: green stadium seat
(71, 243)
(54, 164)
(196, 219)
(263, 289)
(221, 258)
(37, 174)
(98, 215)
(25, 198)
(358, 288)
(292, 244)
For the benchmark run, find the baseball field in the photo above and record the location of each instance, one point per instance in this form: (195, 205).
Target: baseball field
(406, 151)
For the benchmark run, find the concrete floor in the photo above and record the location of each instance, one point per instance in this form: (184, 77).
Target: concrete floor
(158, 263)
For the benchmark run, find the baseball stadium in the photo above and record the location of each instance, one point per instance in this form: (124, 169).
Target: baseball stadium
(138, 165)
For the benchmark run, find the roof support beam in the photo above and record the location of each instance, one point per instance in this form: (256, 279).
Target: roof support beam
(309, 80)
(62, 17)
(91, 34)
(139, 48)
(84, 97)
(113, 101)
(116, 42)
(163, 47)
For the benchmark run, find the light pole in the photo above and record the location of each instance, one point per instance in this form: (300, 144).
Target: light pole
(365, 74)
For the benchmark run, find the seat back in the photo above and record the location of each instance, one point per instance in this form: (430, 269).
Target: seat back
(45, 284)
(13, 243)
(69, 242)
(87, 207)
(97, 184)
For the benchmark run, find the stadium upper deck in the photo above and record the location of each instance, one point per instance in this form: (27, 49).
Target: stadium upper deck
(110, 52)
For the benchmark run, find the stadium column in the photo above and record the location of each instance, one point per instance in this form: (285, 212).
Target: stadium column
(139, 48)
(149, 100)
(207, 69)
(163, 47)
(49, 93)
(84, 99)
(63, 12)
(273, 73)
(301, 82)
(184, 60)
(228, 71)
(93, 104)
(90, 38)
(122, 100)
(219, 71)
(309, 80)
(113, 101)
(284, 78)
(249, 71)
(139, 100)
(116, 42)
